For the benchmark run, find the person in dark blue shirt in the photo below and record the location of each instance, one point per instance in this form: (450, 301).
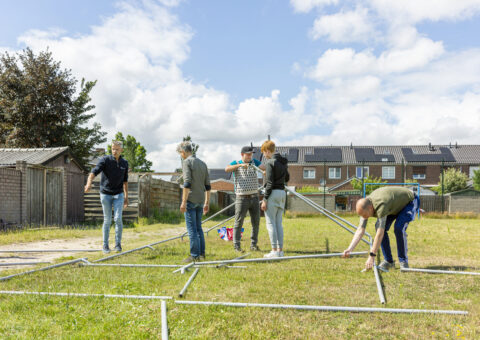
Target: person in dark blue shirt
(113, 192)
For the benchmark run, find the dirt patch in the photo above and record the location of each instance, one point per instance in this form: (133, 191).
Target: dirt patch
(87, 243)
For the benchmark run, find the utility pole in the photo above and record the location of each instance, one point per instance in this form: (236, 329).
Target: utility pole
(443, 199)
(324, 180)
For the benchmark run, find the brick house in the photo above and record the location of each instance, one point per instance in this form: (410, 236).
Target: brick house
(335, 166)
(221, 180)
(41, 186)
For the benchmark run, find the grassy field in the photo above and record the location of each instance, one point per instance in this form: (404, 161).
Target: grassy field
(433, 243)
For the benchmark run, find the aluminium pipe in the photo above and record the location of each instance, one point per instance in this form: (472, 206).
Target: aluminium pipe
(325, 210)
(164, 321)
(379, 285)
(435, 271)
(210, 217)
(324, 308)
(42, 269)
(51, 251)
(140, 297)
(237, 258)
(184, 289)
(263, 259)
(183, 268)
(321, 211)
(136, 249)
(219, 224)
(7, 264)
(128, 265)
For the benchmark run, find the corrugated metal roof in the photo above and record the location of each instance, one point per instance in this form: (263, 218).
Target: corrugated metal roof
(463, 154)
(9, 157)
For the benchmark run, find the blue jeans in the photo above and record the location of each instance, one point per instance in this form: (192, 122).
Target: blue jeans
(193, 218)
(115, 201)
(402, 220)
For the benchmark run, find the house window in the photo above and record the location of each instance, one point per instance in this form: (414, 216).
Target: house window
(309, 173)
(365, 173)
(419, 172)
(388, 172)
(472, 169)
(334, 173)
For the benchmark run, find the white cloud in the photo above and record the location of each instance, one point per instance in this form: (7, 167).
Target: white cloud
(345, 26)
(307, 5)
(136, 56)
(414, 11)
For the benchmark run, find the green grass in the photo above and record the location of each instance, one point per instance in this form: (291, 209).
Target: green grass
(433, 243)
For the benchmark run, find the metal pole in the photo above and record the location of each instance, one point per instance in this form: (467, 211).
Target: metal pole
(183, 268)
(435, 271)
(164, 321)
(379, 285)
(140, 297)
(324, 180)
(285, 258)
(42, 269)
(219, 224)
(50, 251)
(128, 265)
(237, 258)
(139, 248)
(218, 212)
(7, 264)
(182, 292)
(443, 199)
(322, 210)
(324, 308)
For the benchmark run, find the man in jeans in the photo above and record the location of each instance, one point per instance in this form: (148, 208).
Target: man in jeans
(113, 192)
(246, 196)
(388, 205)
(195, 199)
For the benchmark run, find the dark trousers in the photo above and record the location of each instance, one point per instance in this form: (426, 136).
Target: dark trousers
(402, 220)
(242, 205)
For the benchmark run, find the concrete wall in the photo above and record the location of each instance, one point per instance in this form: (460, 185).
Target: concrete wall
(464, 204)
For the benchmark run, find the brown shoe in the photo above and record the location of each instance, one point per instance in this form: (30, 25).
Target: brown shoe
(190, 259)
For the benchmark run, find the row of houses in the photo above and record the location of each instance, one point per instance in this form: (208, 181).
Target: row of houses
(45, 186)
(334, 167)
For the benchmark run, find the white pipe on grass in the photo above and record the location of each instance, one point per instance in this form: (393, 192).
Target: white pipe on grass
(435, 271)
(139, 297)
(323, 308)
(184, 289)
(42, 269)
(164, 321)
(284, 258)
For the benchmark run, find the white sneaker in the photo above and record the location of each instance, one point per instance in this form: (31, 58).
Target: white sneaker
(271, 254)
(280, 253)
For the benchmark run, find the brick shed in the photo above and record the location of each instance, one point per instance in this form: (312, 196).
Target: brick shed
(41, 186)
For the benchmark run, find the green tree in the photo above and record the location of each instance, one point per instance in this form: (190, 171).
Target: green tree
(40, 107)
(358, 185)
(476, 179)
(454, 180)
(134, 153)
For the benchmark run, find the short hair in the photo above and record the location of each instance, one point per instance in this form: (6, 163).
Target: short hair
(185, 147)
(117, 143)
(268, 146)
(365, 203)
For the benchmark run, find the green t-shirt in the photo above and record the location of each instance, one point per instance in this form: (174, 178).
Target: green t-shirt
(390, 200)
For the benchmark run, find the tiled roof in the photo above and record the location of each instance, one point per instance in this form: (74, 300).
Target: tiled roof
(463, 154)
(219, 174)
(9, 157)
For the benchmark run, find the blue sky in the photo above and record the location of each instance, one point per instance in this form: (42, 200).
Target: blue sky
(230, 72)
